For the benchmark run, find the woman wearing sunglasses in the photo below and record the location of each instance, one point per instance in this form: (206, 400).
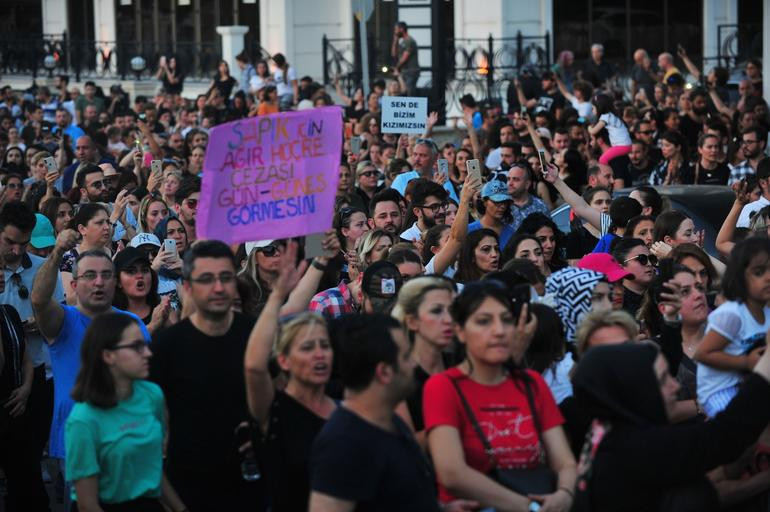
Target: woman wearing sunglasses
(115, 432)
(367, 177)
(634, 256)
(262, 266)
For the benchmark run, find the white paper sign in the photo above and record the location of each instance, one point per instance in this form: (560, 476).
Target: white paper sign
(402, 114)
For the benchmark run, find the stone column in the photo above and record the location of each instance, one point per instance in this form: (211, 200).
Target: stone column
(232, 44)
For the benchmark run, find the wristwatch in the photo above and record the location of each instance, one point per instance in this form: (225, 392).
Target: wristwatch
(317, 264)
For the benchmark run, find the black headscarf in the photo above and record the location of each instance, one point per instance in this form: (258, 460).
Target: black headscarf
(617, 384)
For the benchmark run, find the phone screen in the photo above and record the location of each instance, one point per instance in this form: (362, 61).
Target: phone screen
(443, 167)
(541, 156)
(520, 295)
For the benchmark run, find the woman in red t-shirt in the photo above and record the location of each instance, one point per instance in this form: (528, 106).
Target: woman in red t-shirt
(495, 391)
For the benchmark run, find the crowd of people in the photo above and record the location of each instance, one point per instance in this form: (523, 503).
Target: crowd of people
(452, 348)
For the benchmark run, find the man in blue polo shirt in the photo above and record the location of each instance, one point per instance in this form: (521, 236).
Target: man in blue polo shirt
(93, 283)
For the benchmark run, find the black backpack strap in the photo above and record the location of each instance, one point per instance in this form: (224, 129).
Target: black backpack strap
(475, 423)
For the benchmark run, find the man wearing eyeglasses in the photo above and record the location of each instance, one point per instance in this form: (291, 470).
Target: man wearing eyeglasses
(63, 326)
(16, 225)
(199, 365)
(429, 206)
(753, 142)
(645, 132)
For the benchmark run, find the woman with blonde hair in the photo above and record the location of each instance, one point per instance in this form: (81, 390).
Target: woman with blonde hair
(422, 308)
(152, 210)
(288, 420)
(373, 246)
(172, 178)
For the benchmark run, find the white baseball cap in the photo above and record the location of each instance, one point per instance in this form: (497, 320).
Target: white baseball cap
(250, 246)
(144, 239)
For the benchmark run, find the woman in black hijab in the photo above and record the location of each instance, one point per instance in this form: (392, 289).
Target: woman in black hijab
(633, 459)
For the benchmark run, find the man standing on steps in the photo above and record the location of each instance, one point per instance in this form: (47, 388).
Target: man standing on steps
(404, 50)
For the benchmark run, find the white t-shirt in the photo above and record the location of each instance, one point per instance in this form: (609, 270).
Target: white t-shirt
(733, 321)
(256, 83)
(584, 108)
(284, 88)
(744, 219)
(430, 269)
(558, 379)
(493, 159)
(617, 129)
(412, 234)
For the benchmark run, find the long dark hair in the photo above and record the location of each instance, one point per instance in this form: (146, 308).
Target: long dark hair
(734, 286)
(648, 313)
(469, 300)
(85, 213)
(467, 270)
(94, 383)
(667, 224)
(431, 239)
(280, 61)
(120, 300)
(536, 221)
(548, 343)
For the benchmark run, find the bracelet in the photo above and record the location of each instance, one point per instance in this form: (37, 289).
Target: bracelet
(571, 494)
(320, 266)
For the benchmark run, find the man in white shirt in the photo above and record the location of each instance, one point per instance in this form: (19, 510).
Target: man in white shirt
(763, 177)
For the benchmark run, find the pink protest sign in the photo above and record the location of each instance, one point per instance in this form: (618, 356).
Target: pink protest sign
(271, 176)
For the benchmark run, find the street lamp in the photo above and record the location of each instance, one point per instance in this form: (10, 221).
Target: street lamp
(137, 66)
(49, 62)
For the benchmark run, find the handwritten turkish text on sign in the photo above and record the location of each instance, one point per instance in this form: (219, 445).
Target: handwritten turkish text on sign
(271, 176)
(403, 114)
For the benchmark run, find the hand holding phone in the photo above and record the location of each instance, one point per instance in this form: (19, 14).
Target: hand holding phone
(443, 167)
(50, 164)
(169, 245)
(474, 169)
(157, 167)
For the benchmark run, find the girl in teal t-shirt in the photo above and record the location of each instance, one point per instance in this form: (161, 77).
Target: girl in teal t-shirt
(114, 434)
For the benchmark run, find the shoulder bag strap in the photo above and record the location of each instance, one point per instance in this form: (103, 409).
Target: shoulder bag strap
(475, 423)
(535, 417)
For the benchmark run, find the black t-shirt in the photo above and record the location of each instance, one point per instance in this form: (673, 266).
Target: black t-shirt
(619, 166)
(284, 452)
(579, 242)
(632, 301)
(550, 102)
(357, 461)
(639, 176)
(414, 401)
(225, 87)
(204, 385)
(717, 176)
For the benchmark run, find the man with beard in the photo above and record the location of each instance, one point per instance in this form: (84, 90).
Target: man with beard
(186, 207)
(644, 131)
(640, 166)
(510, 152)
(365, 456)
(198, 363)
(63, 326)
(90, 181)
(385, 212)
(429, 205)
(601, 175)
(524, 203)
(753, 141)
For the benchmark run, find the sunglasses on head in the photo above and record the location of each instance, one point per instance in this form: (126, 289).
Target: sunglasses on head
(22, 290)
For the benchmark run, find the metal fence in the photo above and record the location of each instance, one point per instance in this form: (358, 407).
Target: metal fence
(58, 54)
(481, 67)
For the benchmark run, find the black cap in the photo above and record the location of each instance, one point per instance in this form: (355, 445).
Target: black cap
(128, 257)
(381, 283)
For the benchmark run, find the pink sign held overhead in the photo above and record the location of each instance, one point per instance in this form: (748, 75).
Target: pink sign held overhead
(271, 176)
